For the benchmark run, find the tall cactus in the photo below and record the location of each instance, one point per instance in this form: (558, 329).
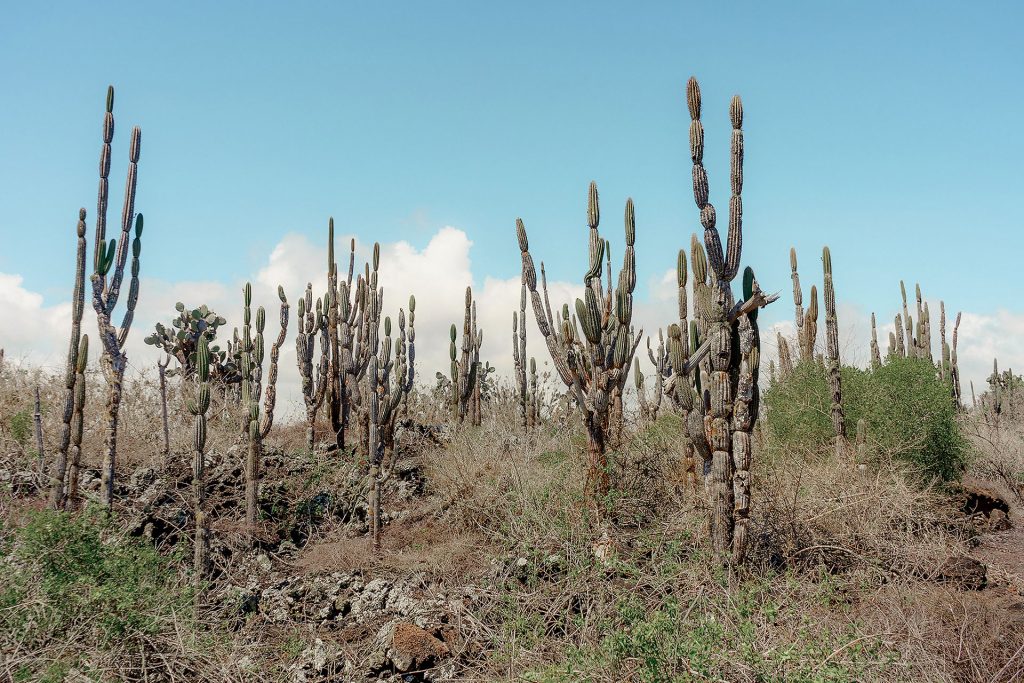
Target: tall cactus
(593, 364)
(198, 408)
(954, 365)
(77, 425)
(798, 301)
(876, 354)
(901, 344)
(730, 400)
(533, 399)
(110, 260)
(465, 365)
(832, 364)
(908, 322)
(161, 370)
(252, 352)
(519, 356)
(388, 380)
(312, 324)
(58, 493)
(785, 357)
(649, 406)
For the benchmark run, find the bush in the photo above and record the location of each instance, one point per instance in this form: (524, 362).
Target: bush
(74, 574)
(909, 413)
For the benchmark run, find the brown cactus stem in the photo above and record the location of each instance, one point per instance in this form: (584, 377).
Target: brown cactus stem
(598, 482)
(832, 363)
(57, 477)
(911, 342)
(105, 294)
(594, 364)
(519, 357)
(744, 415)
(954, 366)
(37, 428)
(901, 347)
(161, 369)
(798, 301)
(77, 423)
(876, 354)
(785, 358)
(335, 392)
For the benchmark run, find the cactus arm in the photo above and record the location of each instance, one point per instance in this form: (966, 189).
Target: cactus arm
(127, 219)
(270, 400)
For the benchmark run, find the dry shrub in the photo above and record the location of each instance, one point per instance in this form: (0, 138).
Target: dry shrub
(810, 510)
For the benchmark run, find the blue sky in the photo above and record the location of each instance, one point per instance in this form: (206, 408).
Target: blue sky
(890, 131)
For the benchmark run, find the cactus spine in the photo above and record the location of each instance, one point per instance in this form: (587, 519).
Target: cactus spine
(110, 259)
(594, 364)
(832, 365)
(198, 409)
(312, 324)
(252, 354)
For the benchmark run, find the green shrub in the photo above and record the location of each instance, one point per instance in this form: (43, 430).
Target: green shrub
(74, 573)
(909, 413)
(21, 426)
(715, 636)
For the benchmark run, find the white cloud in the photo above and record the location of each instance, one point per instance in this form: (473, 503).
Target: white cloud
(438, 274)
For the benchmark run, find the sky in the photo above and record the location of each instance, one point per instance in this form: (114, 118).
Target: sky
(889, 131)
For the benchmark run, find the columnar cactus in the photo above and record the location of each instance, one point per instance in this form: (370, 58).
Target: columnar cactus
(519, 356)
(198, 408)
(954, 366)
(901, 344)
(649, 406)
(533, 399)
(798, 300)
(252, 352)
(911, 340)
(862, 444)
(58, 496)
(161, 371)
(37, 427)
(77, 424)
(110, 259)
(832, 365)
(876, 354)
(594, 364)
(57, 476)
(465, 366)
(729, 401)
(785, 357)
(806, 320)
(339, 306)
(388, 380)
(312, 324)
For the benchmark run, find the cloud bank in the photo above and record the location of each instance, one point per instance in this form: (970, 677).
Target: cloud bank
(35, 333)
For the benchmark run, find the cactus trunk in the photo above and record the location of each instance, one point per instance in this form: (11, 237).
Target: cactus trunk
(832, 365)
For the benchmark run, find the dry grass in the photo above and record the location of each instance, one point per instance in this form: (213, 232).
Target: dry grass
(837, 587)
